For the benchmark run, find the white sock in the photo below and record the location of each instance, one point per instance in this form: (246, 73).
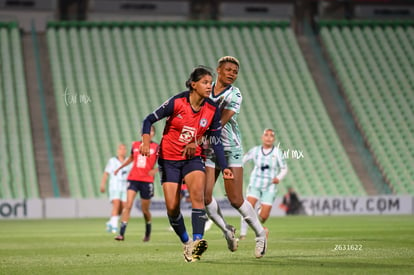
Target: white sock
(250, 216)
(214, 213)
(243, 227)
(114, 221)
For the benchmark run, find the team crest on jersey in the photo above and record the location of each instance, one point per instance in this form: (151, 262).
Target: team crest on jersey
(187, 134)
(203, 122)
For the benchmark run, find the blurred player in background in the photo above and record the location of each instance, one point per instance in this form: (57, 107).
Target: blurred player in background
(189, 115)
(141, 179)
(291, 203)
(117, 186)
(269, 169)
(229, 100)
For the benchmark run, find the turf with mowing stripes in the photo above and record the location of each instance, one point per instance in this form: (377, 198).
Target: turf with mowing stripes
(297, 245)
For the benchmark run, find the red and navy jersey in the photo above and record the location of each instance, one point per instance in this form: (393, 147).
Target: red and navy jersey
(143, 165)
(183, 125)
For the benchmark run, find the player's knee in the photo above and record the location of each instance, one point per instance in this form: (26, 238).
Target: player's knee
(146, 212)
(147, 216)
(236, 204)
(127, 208)
(207, 200)
(172, 210)
(263, 219)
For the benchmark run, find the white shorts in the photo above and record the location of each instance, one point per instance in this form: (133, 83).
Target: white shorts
(117, 194)
(265, 196)
(234, 158)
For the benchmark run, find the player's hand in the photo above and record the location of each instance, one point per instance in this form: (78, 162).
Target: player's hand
(102, 189)
(144, 149)
(228, 174)
(275, 180)
(152, 172)
(189, 150)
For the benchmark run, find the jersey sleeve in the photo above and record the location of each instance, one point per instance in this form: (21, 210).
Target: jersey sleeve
(235, 101)
(215, 139)
(165, 110)
(108, 167)
(249, 155)
(216, 123)
(281, 160)
(282, 165)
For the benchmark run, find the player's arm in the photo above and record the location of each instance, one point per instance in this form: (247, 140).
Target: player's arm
(217, 145)
(126, 163)
(165, 110)
(226, 116)
(232, 108)
(248, 156)
(154, 169)
(103, 182)
(283, 170)
(107, 172)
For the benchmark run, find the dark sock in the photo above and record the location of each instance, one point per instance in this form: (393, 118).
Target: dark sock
(123, 228)
(198, 220)
(147, 229)
(179, 227)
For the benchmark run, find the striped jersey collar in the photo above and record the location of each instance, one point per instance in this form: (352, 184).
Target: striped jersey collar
(215, 96)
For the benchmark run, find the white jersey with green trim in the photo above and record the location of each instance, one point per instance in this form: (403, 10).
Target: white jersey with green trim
(267, 166)
(117, 182)
(230, 99)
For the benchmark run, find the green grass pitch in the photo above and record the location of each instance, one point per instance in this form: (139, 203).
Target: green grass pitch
(297, 245)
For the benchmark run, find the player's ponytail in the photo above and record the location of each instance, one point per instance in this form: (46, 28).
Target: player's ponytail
(198, 73)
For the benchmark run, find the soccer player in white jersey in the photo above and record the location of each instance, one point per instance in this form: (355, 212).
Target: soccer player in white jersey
(117, 186)
(229, 99)
(269, 169)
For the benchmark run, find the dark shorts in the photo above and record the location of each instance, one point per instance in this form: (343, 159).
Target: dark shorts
(145, 189)
(176, 170)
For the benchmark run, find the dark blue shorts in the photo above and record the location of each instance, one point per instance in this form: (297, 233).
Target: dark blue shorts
(176, 170)
(145, 189)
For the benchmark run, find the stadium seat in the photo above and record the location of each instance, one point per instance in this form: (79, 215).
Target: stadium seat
(130, 69)
(18, 171)
(379, 65)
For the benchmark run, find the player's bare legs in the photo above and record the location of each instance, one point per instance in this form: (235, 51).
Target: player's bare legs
(243, 225)
(195, 182)
(116, 207)
(234, 191)
(126, 213)
(263, 215)
(115, 212)
(145, 206)
(213, 209)
(234, 188)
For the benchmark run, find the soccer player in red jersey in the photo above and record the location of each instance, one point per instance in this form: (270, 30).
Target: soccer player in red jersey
(141, 179)
(190, 115)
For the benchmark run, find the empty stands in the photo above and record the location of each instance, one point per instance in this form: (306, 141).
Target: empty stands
(374, 63)
(17, 167)
(128, 69)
